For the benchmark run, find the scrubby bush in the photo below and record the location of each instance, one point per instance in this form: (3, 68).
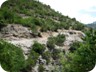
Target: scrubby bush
(37, 21)
(78, 26)
(46, 55)
(64, 25)
(44, 28)
(31, 61)
(11, 57)
(60, 39)
(51, 43)
(32, 58)
(74, 46)
(26, 22)
(2, 24)
(38, 48)
(35, 32)
(41, 68)
(7, 15)
(55, 54)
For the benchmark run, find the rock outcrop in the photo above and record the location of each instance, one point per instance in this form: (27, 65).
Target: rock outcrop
(22, 36)
(16, 31)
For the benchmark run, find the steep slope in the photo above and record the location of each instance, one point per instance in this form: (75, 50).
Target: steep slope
(46, 37)
(22, 37)
(35, 14)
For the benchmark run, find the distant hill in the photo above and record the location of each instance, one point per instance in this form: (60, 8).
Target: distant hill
(92, 25)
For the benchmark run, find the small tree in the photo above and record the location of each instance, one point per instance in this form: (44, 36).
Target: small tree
(51, 43)
(32, 58)
(55, 54)
(46, 55)
(39, 48)
(8, 16)
(60, 39)
(74, 46)
(41, 68)
(31, 61)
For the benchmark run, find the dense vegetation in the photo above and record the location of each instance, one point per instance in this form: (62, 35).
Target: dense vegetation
(41, 18)
(82, 59)
(11, 57)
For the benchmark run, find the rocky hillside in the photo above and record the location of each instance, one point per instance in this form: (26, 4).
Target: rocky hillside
(23, 38)
(36, 38)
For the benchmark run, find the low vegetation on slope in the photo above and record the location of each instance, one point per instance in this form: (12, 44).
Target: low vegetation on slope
(81, 56)
(34, 14)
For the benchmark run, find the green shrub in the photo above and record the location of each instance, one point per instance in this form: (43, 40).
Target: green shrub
(60, 39)
(26, 22)
(38, 48)
(55, 54)
(44, 28)
(51, 43)
(37, 21)
(11, 57)
(78, 26)
(32, 58)
(74, 46)
(41, 68)
(31, 61)
(64, 25)
(7, 15)
(2, 23)
(46, 55)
